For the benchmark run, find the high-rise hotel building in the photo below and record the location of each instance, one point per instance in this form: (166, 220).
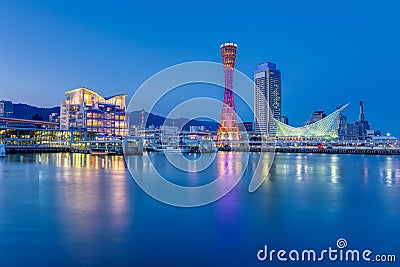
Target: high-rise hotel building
(267, 98)
(87, 110)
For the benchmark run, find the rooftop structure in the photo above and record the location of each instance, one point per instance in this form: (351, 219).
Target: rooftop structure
(317, 115)
(326, 128)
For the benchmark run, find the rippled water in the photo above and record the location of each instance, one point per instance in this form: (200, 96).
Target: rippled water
(74, 210)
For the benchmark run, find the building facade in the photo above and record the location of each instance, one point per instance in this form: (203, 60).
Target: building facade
(86, 109)
(267, 98)
(317, 115)
(358, 129)
(6, 109)
(197, 128)
(284, 120)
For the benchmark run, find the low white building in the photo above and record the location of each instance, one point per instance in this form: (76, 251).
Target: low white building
(385, 140)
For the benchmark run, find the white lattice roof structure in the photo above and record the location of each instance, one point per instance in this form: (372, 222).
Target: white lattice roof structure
(326, 128)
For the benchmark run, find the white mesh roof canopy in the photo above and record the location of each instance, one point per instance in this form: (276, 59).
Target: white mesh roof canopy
(325, 128)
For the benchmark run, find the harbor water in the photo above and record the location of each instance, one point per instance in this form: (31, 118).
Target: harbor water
(71, 209)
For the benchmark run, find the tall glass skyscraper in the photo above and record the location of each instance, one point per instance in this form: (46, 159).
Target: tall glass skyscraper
(267, 98)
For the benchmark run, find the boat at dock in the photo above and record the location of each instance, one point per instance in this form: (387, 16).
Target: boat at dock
(104, 147)
(98, 147)
(102, 152)
(173, 149)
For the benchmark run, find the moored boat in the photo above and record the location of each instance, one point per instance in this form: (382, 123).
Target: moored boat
(172, 149)
(102, 152)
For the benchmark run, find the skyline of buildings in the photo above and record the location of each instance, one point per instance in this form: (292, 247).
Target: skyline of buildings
(360, 127)
(310, 59)
(87, 110)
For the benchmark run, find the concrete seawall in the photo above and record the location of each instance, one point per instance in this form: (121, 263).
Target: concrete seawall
(341, 150)
(35, 149)
(334, 150)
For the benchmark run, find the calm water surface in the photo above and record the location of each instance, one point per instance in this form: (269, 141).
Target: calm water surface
(82, 210)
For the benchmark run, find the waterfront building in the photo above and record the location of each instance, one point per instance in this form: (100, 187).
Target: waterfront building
(326, 128)
(372, 133)
(358, 129)
(169, 135)
(342, 123)
(134, 130)
(28, 135)
(85, 109)
(267, 98)
(317, 115)
(284, 120)
(6, 109)
(197, 128)
(34, 134)
(54, 117)
(352, 131)
(361, 123)
(24, 123)
(199, 135)
(385, 140)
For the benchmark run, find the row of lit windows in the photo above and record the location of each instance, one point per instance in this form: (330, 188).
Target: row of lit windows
(106, 116)
(94, 123)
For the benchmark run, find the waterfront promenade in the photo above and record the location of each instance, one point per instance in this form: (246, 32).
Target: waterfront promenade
(286, 149)
(376, 150)
(36, 149)
(341, 150)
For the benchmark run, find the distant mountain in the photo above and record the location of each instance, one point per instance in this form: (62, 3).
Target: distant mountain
(135, 118)
(25, 111)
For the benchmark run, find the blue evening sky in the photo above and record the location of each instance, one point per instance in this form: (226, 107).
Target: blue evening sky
(329, 52)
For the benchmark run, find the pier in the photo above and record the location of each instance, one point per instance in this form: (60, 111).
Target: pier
(342, 150)
(35, 149)
(134, 146)
(315, 149)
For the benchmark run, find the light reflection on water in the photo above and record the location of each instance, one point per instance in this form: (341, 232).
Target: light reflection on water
(306, 167)
(75, 160)
(164, 181)
(390, 171)
(326, 166)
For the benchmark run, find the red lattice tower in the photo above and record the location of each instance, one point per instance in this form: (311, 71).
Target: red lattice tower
(228, 127)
